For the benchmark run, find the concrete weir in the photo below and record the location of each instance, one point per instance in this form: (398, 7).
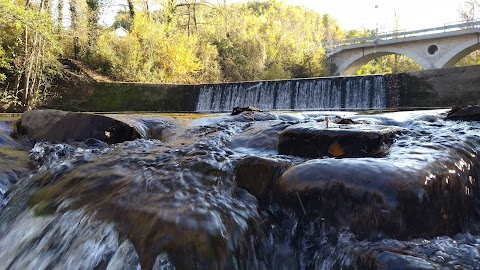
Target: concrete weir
(433, 88)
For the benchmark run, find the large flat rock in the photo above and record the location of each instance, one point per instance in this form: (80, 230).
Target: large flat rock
(257, 174)
(468, 113)
(61, 126)
(375, 195)
(314, 140)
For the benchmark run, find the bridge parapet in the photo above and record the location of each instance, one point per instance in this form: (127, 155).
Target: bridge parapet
(448, 27)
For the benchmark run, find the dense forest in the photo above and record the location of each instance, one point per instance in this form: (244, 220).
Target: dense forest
(168, 41)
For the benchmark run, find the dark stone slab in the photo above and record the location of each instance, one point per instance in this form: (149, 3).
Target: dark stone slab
(61, 126)
(375, 195)
(152, 127)
(313, 140)
(238, 110)
(469, 113)
(248, 116)
(257, 174)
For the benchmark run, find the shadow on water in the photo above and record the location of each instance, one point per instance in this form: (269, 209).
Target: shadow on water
(171, 200)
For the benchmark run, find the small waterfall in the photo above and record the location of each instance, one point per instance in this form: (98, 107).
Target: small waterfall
(362, 92)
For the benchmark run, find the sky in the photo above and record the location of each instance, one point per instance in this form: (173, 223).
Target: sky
(370, 14)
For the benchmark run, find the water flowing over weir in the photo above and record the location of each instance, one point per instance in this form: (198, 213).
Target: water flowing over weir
(362, 92)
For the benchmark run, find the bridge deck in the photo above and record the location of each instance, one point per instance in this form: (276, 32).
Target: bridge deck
(404, 34)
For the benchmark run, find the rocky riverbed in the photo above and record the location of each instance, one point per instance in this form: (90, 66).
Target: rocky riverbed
(256, 190)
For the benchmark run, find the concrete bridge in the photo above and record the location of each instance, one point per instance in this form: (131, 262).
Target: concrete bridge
(433, 48)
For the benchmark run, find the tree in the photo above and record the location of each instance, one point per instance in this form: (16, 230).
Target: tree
(60, 16)
(151, 54)
(467, 10)
(73, 6)
(30, 60)
(237, 42)
(389, 64)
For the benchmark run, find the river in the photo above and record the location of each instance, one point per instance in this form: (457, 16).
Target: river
(173, 202)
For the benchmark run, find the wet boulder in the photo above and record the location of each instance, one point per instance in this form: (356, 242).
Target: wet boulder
(392, 259)
(344, 121)
(152, 127)
(238, 110)
(177, 201)
(469, 113)
(260, 138)
(13, 164)
(14, 161)
(257, 174)
(60, 126)
(375, 195)
(395, 261)
(313, 140)
(248, 116)
(5, 138)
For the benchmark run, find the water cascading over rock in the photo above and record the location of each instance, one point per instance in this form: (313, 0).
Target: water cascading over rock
(366, 92)
(219, 193)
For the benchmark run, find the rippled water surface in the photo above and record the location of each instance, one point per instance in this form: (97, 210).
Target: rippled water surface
(173, 202)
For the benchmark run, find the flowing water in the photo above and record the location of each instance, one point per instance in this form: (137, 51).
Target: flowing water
(173, 202)
(363, 92)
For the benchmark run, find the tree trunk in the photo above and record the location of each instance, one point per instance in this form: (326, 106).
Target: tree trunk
(131, 9)
(74, 27)
(188, 22)
(60, 16)
(195, 16)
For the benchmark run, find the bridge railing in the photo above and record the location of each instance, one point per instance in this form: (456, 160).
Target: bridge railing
(376, 38)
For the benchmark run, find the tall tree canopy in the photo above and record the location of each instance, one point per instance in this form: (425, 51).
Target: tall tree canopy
(197, 41)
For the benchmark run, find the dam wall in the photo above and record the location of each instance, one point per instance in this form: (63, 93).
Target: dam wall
(427, 89)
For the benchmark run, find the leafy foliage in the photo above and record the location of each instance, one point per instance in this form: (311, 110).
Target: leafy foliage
(172, 41)
(388, 64)
(28, 53)
(197, 42)
(471, 59)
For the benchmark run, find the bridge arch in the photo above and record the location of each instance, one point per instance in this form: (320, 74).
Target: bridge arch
(456, 54)
(354, 63)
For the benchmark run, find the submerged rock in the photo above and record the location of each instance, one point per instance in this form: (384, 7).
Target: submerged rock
(163, 199)
(248, 116)
(257, 174)
(260, 138)
(395, 261)
(344, 121)
(313, 140)
(60, 126)
(471, 113)
(152, 127)
(13, 164)
(7, 140)
(375, 195)
(392, 258)
(14, 160)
